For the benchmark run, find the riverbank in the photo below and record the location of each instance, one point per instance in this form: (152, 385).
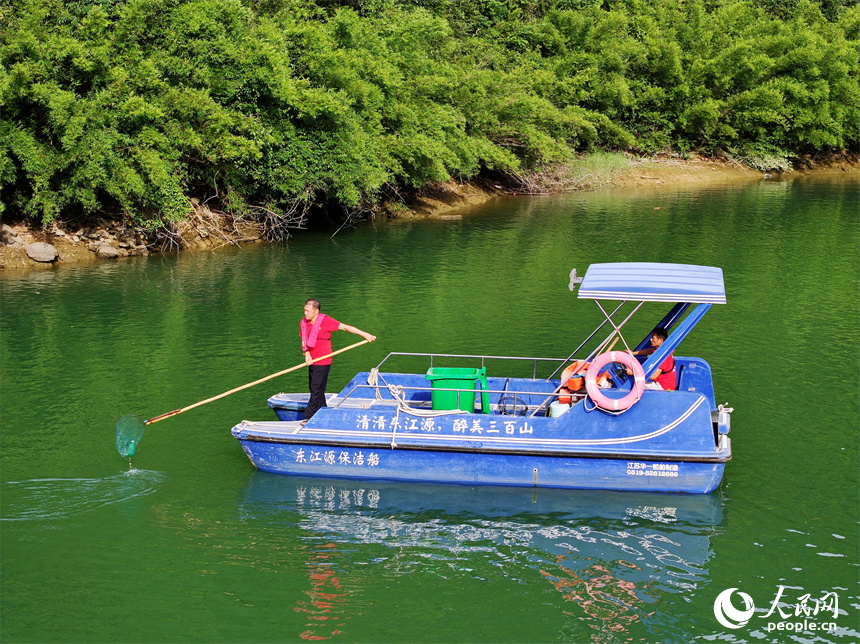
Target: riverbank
(610, 171)
(99, 239)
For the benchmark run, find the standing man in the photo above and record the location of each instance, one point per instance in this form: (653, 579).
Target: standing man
(316, 329)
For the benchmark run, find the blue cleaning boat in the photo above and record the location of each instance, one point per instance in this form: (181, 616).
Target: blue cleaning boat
(594, 427)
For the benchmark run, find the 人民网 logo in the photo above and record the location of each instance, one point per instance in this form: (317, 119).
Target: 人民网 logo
(802, 619)
(727, 614)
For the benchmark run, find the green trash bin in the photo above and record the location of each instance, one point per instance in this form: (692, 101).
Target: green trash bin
(460, 378)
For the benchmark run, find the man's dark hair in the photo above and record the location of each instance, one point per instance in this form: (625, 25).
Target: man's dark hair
(314, 303)
(660, 332)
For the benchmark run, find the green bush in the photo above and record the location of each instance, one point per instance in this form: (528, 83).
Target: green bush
(132, 107)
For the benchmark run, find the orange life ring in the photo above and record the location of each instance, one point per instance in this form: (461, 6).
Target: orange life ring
(615, 404)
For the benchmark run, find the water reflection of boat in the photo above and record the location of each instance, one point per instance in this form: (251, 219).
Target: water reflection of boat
(616, 555)
(565, 432)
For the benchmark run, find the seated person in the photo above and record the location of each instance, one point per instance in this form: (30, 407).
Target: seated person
(665, 377)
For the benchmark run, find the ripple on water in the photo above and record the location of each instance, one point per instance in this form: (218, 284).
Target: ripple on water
(45, 499)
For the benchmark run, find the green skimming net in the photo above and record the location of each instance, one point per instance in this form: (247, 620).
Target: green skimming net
(129, 431)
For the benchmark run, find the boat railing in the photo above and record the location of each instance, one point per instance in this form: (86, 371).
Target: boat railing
(482, 358)
(548, 395)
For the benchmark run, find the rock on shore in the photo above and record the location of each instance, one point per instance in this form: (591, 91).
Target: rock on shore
(26, 247)
(22, 246)
(42, 252)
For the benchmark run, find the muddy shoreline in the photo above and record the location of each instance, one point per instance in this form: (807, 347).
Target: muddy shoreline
(102, 240)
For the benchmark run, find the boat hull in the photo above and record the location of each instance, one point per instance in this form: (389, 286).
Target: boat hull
(470, 468)
(667, 442)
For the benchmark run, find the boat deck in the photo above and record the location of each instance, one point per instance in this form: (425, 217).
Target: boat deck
(506, 395)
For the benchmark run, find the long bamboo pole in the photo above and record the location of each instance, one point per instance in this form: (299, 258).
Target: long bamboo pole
(155, 419)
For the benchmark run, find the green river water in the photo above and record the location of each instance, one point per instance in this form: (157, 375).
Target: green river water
(189, 543)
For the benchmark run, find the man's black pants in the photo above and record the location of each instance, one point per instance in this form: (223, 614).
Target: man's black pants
(317, 379)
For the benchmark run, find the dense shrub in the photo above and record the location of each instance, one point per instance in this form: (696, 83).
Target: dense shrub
(131, 107)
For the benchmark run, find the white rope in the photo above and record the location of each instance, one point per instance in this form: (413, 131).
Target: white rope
(373, 381)
(397, 392)
(606, 411)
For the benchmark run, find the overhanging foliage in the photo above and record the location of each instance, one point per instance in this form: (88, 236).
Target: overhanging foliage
(131, 107)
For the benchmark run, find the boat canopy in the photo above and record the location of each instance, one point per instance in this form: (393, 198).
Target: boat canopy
(652, 282)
